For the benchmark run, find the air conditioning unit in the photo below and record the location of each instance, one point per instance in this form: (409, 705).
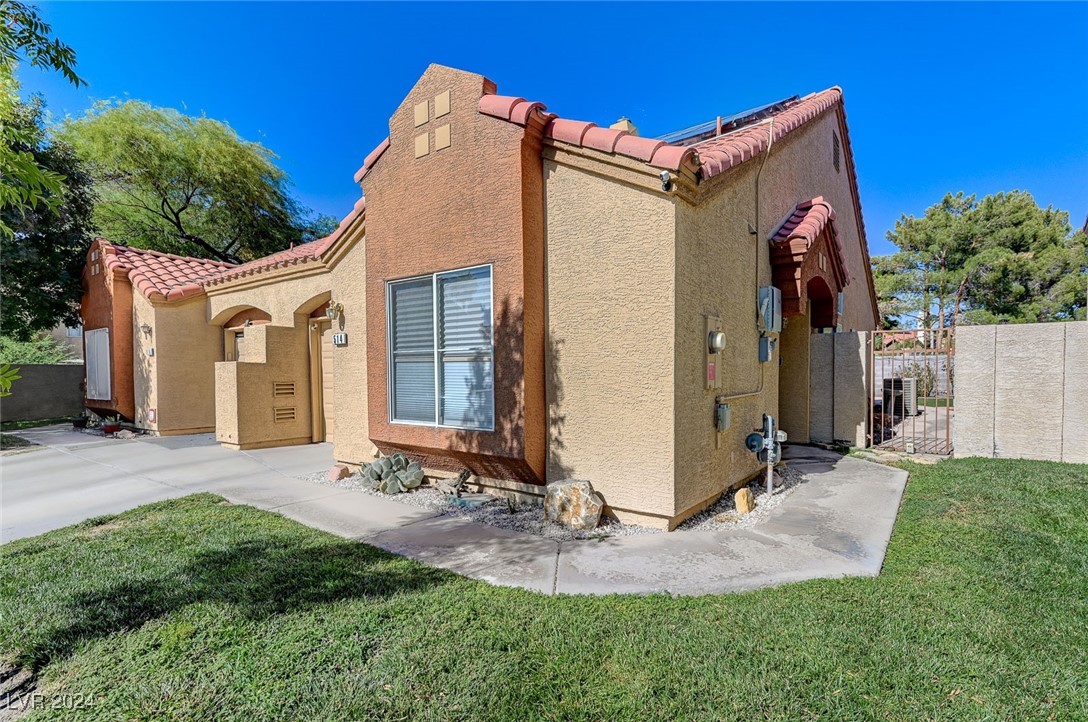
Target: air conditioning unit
(910, 395)
(901, 396)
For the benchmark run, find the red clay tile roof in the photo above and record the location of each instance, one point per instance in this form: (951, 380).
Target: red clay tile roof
(371, 159)
(709, 158)
(302, 253)
(166, 277)
(802, 229)
(160, 276)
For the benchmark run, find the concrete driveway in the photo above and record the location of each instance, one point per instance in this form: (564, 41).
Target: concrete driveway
(74, 476)
(836, 524)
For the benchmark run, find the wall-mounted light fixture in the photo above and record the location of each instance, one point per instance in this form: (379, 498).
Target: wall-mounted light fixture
(146, 329)
(334, 310)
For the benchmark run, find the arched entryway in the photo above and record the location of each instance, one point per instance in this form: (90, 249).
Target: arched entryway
(822, 304)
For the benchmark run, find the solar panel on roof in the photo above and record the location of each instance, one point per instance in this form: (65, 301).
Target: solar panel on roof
(697, 133)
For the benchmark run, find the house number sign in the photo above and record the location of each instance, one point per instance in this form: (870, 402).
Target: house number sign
(339, 339)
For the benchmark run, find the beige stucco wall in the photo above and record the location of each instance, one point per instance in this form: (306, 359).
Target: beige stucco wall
(1019, 391)
(793, 392)
(719, 267)
(720, 264)
(279, 293)
(610, 274)
(351, 442)
(245, 402)
(178, 380)
(74, 344)
(274, 352)
(839, 387)
(800, 168)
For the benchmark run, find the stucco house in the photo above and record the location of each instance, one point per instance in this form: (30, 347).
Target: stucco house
(532, 298)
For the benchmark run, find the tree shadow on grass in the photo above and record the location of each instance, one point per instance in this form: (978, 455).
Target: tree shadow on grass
(259, 579)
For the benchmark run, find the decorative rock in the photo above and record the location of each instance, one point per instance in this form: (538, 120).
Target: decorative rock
(745, 502)
(573, 504)
(338, 472)
(455, 486)
(124, 434)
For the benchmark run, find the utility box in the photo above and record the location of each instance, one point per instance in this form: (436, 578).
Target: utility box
(767, 345)
(770, 309)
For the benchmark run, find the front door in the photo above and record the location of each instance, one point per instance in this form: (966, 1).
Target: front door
(321, 384)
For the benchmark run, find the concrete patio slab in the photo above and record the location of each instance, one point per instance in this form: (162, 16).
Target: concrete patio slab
(497, 556)
(835, 524)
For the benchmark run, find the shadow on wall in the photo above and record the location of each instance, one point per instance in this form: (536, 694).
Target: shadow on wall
(507, 362)
(557, 416)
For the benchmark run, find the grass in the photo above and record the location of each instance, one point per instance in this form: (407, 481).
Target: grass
(34, 423)
(8, 441)
(938, 402)
(196, 609)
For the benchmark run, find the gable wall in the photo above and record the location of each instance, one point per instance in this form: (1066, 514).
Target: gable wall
(476, 202)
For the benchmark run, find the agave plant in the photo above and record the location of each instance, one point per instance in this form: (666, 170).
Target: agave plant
(393, 474)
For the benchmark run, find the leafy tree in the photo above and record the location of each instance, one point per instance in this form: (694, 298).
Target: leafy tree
(41, 348)
(186, 185)
(23, 33)
(968, 261)
(24, 184)
(43, 259)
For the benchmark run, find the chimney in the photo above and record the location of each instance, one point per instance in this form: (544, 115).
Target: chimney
(625, 124)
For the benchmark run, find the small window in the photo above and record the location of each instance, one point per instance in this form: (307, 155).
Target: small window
(73, 331)
(835, 150)
(440, 350)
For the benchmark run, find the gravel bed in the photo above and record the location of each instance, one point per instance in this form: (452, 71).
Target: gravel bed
(723, 514)
(528, 517)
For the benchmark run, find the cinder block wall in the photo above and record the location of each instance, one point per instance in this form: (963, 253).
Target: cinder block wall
(839, 388)
(1021, 391)
(44, 391)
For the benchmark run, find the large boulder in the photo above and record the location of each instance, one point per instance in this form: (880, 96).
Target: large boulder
(573, 504)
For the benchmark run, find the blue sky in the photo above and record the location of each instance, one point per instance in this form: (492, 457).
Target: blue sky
(975, 97)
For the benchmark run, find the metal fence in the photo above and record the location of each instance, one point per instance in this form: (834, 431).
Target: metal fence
(912, 400)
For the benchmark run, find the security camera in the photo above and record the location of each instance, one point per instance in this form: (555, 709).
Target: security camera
(666, 181)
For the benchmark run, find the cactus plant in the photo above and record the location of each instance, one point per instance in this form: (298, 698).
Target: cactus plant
(393, 474)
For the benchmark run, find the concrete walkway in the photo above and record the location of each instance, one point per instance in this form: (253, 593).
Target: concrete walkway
(836, 524)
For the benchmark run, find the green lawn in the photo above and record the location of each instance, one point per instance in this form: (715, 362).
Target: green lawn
(197, 609)
(33, 424)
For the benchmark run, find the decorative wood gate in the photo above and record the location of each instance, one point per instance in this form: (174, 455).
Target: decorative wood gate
(912, 401)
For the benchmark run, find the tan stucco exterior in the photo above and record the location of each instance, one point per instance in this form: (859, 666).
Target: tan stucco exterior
(431, 209)
(351, 444)
(611, 285)
(174, 389)
(264, 396)
(605, 279)
(632, 275)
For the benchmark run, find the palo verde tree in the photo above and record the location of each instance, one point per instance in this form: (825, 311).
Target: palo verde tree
(1001, 258)
(187, 185)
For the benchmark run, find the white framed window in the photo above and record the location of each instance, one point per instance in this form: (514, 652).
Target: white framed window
(73, 331)
(97, 350)
(441, 348)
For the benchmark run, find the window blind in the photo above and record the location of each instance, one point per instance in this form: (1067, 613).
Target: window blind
(441, 349)
(412, 336)
(465, 348)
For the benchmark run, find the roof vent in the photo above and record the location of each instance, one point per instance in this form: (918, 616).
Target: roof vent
(625, 124)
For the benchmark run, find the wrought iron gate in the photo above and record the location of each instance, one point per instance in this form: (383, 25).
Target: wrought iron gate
(912, 402)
